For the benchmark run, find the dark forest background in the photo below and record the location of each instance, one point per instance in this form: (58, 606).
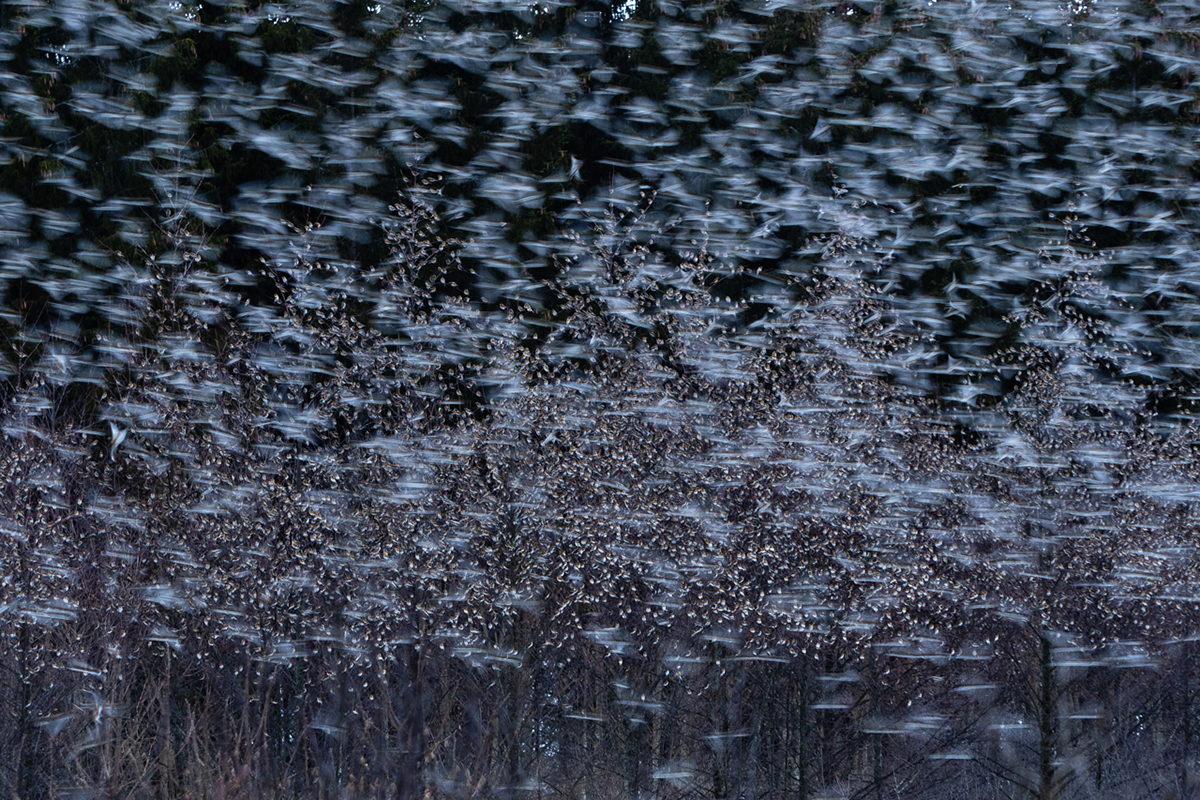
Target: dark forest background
(674, 400)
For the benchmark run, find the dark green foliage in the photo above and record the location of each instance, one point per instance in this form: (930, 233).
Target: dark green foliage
(969, 132)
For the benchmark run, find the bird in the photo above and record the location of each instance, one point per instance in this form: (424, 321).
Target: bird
(118, 436)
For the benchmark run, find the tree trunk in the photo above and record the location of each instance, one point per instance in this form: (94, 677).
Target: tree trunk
(1047, 789)
(801, 736)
